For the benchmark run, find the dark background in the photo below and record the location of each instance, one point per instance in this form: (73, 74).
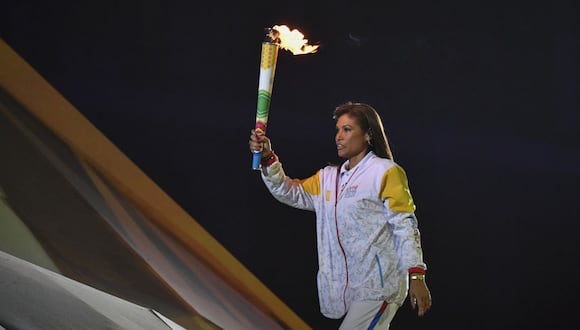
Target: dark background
(479, 100)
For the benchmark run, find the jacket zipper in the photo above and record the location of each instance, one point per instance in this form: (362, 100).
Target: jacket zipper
(338, 238)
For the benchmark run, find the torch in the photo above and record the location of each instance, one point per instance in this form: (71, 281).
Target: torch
(266, 82)
(276, 37)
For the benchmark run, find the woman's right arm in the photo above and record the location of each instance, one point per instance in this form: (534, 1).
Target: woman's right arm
(295, 193)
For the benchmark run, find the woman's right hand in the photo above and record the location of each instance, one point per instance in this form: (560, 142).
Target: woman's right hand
(260, 142)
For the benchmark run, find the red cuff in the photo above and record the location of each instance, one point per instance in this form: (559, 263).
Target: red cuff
(269, 161)
(416, 270)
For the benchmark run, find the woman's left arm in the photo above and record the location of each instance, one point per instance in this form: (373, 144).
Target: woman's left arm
(400, 208)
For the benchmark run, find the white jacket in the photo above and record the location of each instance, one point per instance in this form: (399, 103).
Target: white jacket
(367, 233)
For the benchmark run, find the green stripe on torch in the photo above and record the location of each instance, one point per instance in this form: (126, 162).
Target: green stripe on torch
(263, 104)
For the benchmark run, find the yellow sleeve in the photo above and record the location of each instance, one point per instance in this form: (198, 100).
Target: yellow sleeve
(311, 185)
(395, 188)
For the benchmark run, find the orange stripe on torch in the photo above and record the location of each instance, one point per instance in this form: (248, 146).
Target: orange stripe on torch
(276, 37)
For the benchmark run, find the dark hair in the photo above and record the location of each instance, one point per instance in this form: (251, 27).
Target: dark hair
(370, 122)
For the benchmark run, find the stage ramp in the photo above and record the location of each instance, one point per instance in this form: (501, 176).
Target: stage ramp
(76, 214)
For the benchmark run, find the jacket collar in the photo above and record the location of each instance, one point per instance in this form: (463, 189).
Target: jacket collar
(368, 156)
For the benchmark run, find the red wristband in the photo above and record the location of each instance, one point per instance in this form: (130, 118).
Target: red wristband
(416, 270)
(270, 160)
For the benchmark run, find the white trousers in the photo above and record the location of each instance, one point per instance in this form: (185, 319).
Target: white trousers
(369, 315)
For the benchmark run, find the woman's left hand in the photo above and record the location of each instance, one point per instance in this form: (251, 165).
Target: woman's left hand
(420, 296)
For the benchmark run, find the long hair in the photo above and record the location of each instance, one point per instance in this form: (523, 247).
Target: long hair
(370, 122)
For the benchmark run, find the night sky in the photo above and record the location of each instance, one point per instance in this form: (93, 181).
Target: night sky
(479, 100)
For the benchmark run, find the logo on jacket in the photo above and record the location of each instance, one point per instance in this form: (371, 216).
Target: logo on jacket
(350, 191)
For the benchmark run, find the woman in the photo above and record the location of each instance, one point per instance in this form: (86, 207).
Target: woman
(368, 242)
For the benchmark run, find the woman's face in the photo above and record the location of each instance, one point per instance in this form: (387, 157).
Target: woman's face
(351, 141)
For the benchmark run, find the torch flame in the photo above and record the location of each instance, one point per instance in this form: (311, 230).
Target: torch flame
(293, 40)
